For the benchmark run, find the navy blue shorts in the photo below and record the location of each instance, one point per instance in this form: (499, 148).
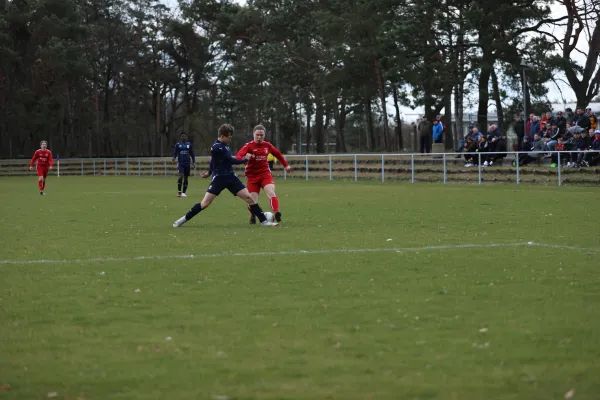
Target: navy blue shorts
(229, 182)
(183, 169)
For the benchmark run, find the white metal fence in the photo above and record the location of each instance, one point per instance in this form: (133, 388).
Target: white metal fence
(433, 167)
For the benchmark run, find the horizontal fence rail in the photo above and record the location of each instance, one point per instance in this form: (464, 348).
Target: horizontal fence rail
(548, 167)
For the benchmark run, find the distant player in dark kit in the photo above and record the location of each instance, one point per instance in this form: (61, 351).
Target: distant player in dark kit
(223, 177)
(43, 157)
(184, 154)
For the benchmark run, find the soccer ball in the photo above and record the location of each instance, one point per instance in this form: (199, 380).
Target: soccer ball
(270, 216)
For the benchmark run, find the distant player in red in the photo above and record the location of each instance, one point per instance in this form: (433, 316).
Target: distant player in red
(43, 156)
(258, 172)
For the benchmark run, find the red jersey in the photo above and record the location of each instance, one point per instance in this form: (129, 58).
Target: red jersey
(43, 157)
(259, 165)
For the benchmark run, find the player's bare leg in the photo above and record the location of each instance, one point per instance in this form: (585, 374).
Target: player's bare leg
(252, 216)
(245, 195)
(270, 191)
(206, 201)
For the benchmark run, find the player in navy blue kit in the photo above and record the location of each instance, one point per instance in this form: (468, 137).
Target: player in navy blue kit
(223, 177)
(184, 154)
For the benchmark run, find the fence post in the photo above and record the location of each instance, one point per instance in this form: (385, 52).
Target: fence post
(127, 166)
(94, 164)
(165, 167)
(558, 166)
(139, 166)
(479, 167)
(330, 168)
(444, 168)
(306, 167)
(517, 162)
(152, 167)
(412, 168)
(355, 168)
(116, 167)
(82, 167)
(382, 168)
(105, 167)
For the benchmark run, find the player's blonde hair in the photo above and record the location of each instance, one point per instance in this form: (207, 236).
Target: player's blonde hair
(259, 128)
(43, 141)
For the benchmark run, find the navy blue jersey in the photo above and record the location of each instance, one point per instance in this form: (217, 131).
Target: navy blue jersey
(221, 161)
(184, 153)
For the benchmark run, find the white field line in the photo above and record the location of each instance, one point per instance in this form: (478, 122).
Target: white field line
(298, 252)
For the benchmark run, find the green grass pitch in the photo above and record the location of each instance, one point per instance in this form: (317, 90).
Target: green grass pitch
(364, 292)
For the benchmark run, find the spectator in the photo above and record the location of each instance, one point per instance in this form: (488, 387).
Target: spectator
(582, 123)
(476, 134)
(535, 154)
(497, 145)
(576, 145)
(424, 129)
(535, 128)
(593, 118)
(528, 125)
(560, 146)
(438, 131)
(561, 122)
(554, 133)
(493, 131)
(548, 119)
(570, 116)
(520, 129)
(470, 147)
(592, 158)
(482, 147)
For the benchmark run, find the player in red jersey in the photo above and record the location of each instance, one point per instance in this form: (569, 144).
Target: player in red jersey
(258, 172)
(43, 156)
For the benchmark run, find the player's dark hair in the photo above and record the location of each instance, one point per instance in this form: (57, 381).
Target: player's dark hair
(43, 141)
(259, 128)
(225, 130)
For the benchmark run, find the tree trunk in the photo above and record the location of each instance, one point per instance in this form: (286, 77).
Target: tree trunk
(319, 133)
(399, 139)
(340, 121)
(484, 93)
(498, 100)
(447, 120)
(371, 140)
(383, 103)
(308, 135)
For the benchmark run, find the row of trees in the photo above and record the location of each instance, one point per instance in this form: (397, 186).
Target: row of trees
(126, 77)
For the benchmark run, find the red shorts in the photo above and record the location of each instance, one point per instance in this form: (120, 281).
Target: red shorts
(255, 183)
(42, 171)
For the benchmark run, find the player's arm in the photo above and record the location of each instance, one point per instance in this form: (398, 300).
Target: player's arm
(175, 152)
(50, 159)
(192, 155)
(243, 151)
(277, 154)
(35, 156)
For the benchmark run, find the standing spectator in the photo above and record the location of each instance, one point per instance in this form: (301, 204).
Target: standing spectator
(593, 118)
(528, 125)
(520, 129)
(535, 128)
(561, 122)
(438, 131)
(570, 116)
(424, 129)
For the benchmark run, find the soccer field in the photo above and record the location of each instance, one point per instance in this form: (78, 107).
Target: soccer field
(366, 291)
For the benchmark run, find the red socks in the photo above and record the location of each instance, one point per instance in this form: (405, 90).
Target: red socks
(41, 185)
(274, 204)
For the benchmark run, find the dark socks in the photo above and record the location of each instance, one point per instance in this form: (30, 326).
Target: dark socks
(195, 210)
(179, 184)
(185, 184)
(256, 210)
